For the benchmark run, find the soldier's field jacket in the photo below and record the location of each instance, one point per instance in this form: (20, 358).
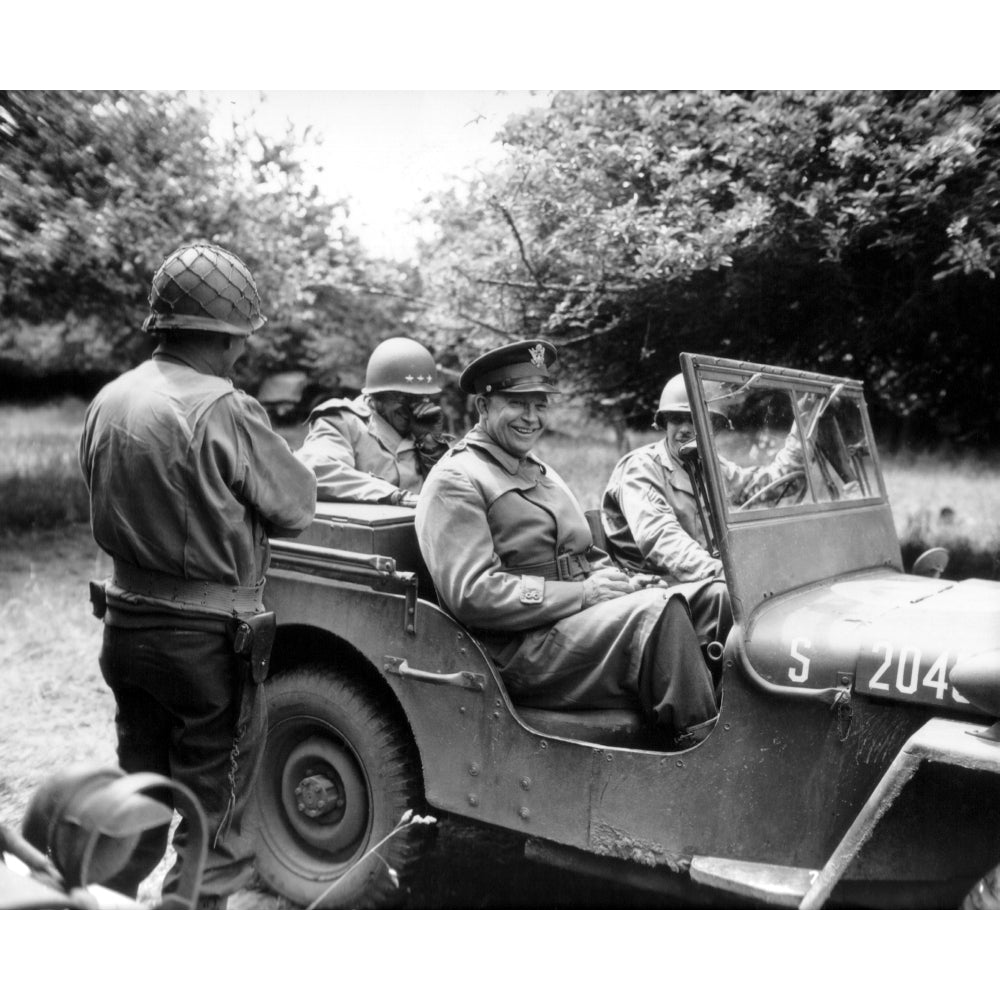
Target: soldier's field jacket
(187, 478)
(358, 456)
(650, 516)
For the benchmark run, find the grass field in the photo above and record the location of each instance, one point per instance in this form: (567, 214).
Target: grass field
(937, 499)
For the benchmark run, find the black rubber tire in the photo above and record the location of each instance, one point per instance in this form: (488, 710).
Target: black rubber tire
(334, 730)
(985, 894)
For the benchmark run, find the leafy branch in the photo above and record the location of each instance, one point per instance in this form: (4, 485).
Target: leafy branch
(408, 819)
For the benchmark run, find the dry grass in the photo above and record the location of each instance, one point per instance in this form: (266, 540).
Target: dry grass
(56, 709)
(40, 481)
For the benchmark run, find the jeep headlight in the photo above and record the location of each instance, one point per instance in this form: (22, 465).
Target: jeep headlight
(977, 678)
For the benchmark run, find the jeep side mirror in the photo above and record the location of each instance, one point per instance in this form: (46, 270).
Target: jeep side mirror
(931, 563)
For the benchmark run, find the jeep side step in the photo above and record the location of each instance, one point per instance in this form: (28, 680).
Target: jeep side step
(773, 885)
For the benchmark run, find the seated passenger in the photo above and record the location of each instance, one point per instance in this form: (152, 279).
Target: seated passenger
(650, 516)
(379, 447)
(510, 553)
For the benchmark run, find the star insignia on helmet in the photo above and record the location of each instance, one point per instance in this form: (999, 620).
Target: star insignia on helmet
(409, 378)
(537, 354)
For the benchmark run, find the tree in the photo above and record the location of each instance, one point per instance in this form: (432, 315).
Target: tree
(850, 231)
(97, 187)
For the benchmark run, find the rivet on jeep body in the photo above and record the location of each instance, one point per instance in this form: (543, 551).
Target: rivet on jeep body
(473, 801)
(473, 769)
(524, 812)
(526, 783)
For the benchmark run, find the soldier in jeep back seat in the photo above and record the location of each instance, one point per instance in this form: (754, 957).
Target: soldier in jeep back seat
(379, 447)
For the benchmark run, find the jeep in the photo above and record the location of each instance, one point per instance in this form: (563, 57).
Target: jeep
(855, 760)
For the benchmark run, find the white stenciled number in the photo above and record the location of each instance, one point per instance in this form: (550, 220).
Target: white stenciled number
(801, 672)
(875, 684)
(907, 684)
(937, 677)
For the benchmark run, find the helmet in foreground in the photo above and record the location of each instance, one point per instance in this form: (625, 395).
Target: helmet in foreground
(204, 287)
(402, 365)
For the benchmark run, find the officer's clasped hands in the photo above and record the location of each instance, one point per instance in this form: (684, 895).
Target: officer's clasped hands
(606, 584)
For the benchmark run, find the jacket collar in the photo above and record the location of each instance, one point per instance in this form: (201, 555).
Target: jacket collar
(676, 474)
(387, 434)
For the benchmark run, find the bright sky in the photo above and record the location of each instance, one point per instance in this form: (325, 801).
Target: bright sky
(386, 150)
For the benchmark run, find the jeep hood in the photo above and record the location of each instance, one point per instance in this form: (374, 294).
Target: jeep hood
(887, 634)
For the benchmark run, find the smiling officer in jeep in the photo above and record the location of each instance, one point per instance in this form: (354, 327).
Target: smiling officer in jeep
(512, 557)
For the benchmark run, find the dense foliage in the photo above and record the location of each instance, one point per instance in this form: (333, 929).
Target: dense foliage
(853, 232)
(97, 187)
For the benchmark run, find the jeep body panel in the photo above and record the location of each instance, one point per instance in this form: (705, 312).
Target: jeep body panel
(765, 787)
(893, 635)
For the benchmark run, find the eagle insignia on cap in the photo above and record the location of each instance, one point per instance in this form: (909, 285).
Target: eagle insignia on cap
(537, 354)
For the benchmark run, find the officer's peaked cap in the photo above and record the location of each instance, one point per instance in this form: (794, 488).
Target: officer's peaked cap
(521, 367)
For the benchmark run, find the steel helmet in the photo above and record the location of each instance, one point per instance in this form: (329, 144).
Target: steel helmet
(674, 399)
(402, 365)
(201, 286)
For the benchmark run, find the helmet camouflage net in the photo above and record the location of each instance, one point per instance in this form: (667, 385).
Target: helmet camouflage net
(201, 286)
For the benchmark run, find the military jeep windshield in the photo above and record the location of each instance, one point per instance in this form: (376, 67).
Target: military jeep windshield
(758, 421)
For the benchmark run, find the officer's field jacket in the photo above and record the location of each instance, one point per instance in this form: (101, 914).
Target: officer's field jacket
(186, 476)
(492, 527)
(356, 455)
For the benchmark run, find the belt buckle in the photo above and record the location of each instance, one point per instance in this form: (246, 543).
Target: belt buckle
(564, 569)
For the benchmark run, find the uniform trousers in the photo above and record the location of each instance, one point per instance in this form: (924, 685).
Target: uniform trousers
(711, 609)
(186, 709)
(639, 649)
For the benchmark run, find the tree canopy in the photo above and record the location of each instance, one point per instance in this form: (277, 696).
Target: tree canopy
(853, 232)
(97, 187)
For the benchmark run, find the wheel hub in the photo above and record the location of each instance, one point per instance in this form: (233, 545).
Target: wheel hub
(317, 796)
(324, 795)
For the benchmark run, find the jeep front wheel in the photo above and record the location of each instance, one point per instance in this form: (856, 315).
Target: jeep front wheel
(337, 774)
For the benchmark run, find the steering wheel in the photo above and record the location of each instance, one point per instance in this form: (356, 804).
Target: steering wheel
(785, 480)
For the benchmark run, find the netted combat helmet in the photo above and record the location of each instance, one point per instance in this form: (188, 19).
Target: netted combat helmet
(674, 399)
(402, 365)
(201, 286)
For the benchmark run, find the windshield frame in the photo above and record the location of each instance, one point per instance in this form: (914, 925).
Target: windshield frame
(795, 384)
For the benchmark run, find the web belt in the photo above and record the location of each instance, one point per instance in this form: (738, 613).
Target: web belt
(564, 567)
(202, 595)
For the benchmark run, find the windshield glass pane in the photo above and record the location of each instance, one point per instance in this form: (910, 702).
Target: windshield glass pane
(758, 442)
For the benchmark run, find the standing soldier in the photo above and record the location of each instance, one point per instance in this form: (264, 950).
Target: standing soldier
(512, 557)
(186, 482)
(379, 447)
